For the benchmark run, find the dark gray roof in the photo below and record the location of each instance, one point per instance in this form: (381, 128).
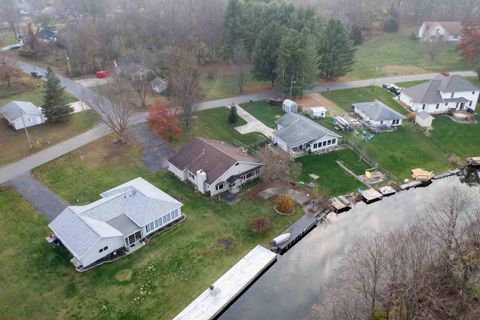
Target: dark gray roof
(297, 129)
(15, 109)
(429, 92)
(378, 111)
(123, 224)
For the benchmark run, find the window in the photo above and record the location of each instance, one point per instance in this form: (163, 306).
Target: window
(334, 140)
(105, 248)
(315, 146)
(423, 107)
(438, 106)
(157, 224)
(101, 250)
(220, 186)
(473, 92)
(329, 142)
(324, 143)
(453, 94)
(175, 214)
(446, 104)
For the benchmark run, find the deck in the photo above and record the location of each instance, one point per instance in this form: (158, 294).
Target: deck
(227, 288)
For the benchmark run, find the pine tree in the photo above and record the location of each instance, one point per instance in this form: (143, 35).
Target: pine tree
(297, 62)
(233, 116)
(335, 50)
(265, 54)
(54, 105)
(233, 27)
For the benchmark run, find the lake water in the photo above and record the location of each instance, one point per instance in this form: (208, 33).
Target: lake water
(295, 283)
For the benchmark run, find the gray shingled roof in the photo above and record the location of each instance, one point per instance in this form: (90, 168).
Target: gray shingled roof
(15, 109)
(298, 129)
(121, 210)
(378, 111)
(429, 92)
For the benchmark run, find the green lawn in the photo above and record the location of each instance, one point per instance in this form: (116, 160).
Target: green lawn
(403, 150)
(333, 178)
(214, 124)
(346, 97)
(264, 112)
(395, 53)
(171, 270)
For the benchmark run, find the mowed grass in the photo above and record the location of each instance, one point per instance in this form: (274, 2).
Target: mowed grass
(264, 112)
(403, 150)
(396, 54)
(166, 275)
(346, 97)
(213, 124)
(333, 178)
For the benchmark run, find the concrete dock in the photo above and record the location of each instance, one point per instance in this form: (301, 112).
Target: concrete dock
(216, 298)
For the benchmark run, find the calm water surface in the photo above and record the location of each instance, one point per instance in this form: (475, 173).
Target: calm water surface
(290, 288)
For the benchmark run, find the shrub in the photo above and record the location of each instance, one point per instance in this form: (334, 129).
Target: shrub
(390, 24)
(284, 204)
(411, 116)
(260, 224)
(233, 116)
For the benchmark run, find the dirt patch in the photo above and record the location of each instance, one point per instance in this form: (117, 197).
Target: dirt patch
(226, 242)
(124, 275)
(403, 70)
(317, 100)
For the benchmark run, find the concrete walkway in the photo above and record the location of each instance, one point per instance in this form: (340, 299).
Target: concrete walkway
(253, 124)
(39, 196)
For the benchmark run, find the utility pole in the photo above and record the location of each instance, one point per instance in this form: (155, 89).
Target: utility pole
(26, 132)
(291, 87)
(374, 78)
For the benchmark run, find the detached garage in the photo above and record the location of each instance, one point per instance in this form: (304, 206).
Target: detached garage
(22, 114)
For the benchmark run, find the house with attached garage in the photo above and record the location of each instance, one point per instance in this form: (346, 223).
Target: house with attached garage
(376, 114)
(444, 93)
(213, 167)
(22, 114)
(448, 31)
(116, 224)
(299, 135)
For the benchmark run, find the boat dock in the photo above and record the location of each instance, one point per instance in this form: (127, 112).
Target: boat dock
(340, 204)
(298, 230)
(213, 301)
(371, 195)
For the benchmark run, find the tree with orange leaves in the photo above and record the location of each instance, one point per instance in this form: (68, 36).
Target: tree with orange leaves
(163, 120)
(470, 42)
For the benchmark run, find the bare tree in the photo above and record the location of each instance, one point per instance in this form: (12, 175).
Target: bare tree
(239, 57)
(114, 104)
(433, 47)
(9, 69)
(278, 165)
(184, 83)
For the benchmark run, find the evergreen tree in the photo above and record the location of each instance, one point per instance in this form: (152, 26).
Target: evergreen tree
(265, 54)
(54, 106)
(356, 35)
(233, 27)
(233, 116)
(335, 50)
(297, 62)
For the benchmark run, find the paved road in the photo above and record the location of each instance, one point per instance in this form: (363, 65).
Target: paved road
(39, 196)
(25, 165)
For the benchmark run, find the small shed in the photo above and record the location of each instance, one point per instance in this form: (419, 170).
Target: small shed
(22, 114)
(318, 112)
(289, 106)
(424, 119)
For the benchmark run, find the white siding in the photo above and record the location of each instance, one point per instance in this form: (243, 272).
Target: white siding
(282, 144)
(323, 143)
(182, 175)
(93, 254)
(233, 171)
(161, 221)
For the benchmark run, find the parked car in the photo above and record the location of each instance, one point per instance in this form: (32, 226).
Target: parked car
(102, 74)
(395, 90)
(386, 86)
(36, 74)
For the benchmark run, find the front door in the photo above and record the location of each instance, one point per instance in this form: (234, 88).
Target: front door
(132, 239)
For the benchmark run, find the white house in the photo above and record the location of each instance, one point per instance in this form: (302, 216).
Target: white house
(298, 135)
(377, 114)
(22, 114)
(115, 224)
(424, 119)
(318, 112)
(289, 106)
(442, 94)
(213, 167)
(448, 31)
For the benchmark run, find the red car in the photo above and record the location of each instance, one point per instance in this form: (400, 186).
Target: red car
(102, 74)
